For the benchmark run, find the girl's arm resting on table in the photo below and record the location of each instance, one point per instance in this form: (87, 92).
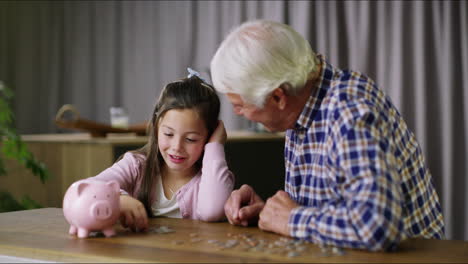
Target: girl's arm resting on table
(217, 183)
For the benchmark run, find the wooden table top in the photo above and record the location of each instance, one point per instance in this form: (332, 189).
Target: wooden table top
(42, 234)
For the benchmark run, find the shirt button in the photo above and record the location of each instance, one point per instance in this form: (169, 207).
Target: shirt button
(301, 137)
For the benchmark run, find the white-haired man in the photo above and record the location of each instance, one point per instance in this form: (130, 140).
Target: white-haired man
(355, 175)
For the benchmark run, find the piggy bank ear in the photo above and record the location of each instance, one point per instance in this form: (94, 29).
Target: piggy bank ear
(81, 187)
(114, 185)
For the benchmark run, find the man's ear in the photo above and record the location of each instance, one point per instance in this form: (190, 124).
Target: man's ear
(280, 97)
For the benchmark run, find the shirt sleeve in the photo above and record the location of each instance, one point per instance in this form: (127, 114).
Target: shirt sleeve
(216, 184)
(124, 171)
(368, 213)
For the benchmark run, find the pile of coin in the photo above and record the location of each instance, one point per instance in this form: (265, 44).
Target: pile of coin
(283, 246)
(194, 238)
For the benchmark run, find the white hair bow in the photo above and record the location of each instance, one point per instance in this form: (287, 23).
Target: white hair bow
(193, 72)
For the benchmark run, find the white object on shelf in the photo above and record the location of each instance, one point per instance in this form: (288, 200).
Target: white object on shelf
(119, 117)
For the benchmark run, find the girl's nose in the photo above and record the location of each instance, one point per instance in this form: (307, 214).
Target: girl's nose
(177, 144)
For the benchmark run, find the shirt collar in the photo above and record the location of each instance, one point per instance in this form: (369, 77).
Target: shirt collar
(315, 99)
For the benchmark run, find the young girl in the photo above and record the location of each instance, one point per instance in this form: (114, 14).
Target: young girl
(181, 172)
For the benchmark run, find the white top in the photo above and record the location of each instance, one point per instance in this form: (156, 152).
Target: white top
(162, 206)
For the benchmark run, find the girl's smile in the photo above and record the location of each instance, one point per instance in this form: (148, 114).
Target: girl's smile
(182, 137)
(176, 159)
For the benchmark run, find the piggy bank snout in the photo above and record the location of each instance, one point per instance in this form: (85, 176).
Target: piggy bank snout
(101, 210)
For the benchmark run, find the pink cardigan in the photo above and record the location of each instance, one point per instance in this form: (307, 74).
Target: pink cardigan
(202, 198)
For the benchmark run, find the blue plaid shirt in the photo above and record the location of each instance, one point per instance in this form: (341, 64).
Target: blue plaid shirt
(356, 169)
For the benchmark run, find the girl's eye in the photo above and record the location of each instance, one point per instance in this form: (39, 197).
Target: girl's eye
(168, 134)
(191, 140)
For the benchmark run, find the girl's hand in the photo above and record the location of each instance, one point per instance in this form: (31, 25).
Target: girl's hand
(219, 135)
(133, 214)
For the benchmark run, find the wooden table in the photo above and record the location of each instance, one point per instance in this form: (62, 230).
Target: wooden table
(42, 235)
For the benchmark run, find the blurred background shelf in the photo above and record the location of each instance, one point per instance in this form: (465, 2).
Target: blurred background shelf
(255, 158)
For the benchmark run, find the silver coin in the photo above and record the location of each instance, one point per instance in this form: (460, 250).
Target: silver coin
(161, 230)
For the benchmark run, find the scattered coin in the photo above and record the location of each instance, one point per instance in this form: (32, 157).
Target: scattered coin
(161, 230)
(195, 240)
(288, 247)
(213, 241)
(338, 251)
(293, 254)
(231, 243)
(177, 242)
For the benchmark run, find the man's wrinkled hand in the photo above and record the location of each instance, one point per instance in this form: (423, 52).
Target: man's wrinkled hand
(243, 206)
(275, 214)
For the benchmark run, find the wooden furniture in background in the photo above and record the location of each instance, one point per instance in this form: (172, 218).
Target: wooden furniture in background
(69, 117)
(42, 235)
(255, 158)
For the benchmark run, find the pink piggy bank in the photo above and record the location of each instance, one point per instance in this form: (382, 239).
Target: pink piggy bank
(91, 205)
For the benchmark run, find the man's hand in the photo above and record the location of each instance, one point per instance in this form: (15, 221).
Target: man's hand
(219, 135)
(133, 214)
(243, 206)
(275, 215)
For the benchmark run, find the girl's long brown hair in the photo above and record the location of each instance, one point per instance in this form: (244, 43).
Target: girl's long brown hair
(189, 93)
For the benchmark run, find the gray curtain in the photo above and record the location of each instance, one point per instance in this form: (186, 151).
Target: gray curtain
(100, 54)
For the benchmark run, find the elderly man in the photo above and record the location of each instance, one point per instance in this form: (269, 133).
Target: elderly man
(355, 174)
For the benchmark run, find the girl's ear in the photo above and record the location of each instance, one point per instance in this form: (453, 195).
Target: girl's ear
(280, 97)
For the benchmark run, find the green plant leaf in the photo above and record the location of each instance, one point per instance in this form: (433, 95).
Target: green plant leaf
(2, 168)
(6, 115)
(5, 91)
(8, 203)
(13, 147)
(28, 203)
(9, 149)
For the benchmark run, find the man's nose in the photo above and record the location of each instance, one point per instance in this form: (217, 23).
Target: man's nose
(238, 112)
